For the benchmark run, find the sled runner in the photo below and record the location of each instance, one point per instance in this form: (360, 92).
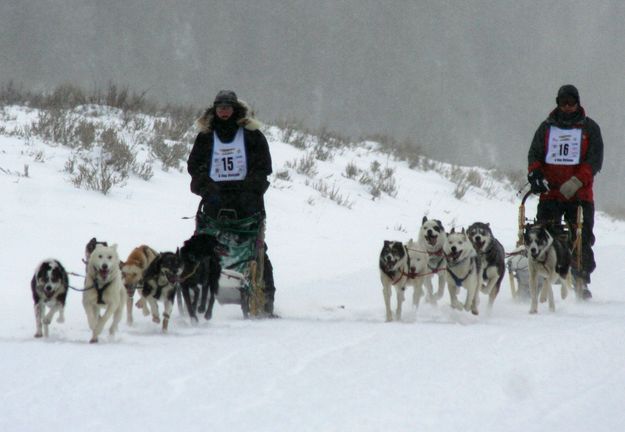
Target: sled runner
(242, 241)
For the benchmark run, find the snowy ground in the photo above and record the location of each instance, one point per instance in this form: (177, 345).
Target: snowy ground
(331, 363)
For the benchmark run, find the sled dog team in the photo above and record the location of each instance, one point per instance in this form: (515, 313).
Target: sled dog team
(110, 284)
(472, 259)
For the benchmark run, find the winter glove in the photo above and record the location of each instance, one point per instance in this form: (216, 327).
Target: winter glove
(570, 186)
(537, 181)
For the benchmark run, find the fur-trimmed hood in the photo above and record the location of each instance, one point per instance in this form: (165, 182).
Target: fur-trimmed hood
(246, 118)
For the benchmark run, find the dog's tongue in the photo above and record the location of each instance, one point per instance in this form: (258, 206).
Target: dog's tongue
(431, 240)
(103, 273)
(479, 244)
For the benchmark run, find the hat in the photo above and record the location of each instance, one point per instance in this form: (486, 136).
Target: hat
(568, 90)
(225, 98)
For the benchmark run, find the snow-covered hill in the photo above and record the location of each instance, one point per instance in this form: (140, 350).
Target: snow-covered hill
(331, 363)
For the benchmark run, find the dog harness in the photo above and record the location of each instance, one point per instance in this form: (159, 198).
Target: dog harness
(458, 281)
(100, 291)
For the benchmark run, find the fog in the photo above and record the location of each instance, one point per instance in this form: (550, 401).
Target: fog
(466, 81)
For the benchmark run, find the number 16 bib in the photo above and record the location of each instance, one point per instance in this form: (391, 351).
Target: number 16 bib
(229, 161)
(564, 146)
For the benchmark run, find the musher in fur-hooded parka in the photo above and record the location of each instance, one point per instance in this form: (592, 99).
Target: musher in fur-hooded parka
(257, 154)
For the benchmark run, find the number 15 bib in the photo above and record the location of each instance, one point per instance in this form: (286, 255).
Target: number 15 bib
(229, 161)
(564, 146)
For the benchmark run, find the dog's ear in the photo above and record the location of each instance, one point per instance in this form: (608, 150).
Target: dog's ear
(453, 230)
(91, 245)
(424, 220)
(387, 242)
(463, 231)
(440, 224)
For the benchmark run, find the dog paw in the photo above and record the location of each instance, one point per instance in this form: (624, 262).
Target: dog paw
(93, 340)
(60, 320)
(38, 334)
(533, 311)
(564, 292)
(156, 320)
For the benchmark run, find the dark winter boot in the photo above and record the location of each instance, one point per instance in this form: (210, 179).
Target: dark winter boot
(582, 277)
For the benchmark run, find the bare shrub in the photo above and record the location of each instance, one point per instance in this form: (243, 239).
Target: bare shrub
(464, 180)
(306, 165)
(11, 94)
(333, 193)
(143, 170)
(283, 175)
(322, 152)
(65, 96)
(352, 171)
(171, 128)
(330, 139)
(380, 180)
(97, 175)
(169, 155)
(53, 125)
(116, 152)
(85, 134)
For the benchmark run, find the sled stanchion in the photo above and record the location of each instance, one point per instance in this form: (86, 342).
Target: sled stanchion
(579, 283)
(514, 290)
(257, 305)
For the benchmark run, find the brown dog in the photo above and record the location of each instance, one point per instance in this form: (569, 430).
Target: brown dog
(132, 274)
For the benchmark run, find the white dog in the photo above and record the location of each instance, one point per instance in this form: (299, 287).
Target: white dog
(417, 270)
(463, 270)
(549, 260)
(431, 239)
(104, 289)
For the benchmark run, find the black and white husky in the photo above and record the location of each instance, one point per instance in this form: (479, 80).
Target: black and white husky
(492, 258)
(104, 289)
(549, 260)
(463, 270)
(431, 239)
(401, 266)
(49, 287)
(160, 282)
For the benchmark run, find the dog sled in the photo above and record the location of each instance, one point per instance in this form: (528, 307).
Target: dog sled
(242, 252)
(517, 263)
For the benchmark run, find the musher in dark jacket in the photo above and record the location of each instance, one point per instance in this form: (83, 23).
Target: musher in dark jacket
(229, 165)
(565, 155)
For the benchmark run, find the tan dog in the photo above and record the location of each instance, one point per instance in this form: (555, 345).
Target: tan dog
(132, 274)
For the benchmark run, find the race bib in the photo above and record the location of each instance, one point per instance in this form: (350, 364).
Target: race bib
(564, 146)
(229, 161)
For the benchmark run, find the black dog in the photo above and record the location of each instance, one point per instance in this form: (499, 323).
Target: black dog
(201, 269)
